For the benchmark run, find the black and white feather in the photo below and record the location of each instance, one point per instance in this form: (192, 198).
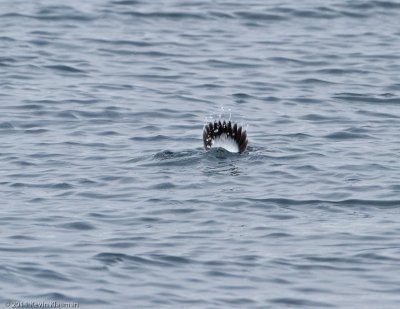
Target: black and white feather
(227, 135)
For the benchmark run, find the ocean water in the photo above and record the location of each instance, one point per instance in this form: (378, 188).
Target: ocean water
(108, 198)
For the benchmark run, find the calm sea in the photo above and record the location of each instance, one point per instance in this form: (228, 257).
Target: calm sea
(109, 200)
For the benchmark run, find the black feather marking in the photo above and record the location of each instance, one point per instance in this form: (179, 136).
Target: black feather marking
(238, 134)
(208, 136)
(243, 142)
(229, 129)
(243, 138)
(234, 130)
(243, 146)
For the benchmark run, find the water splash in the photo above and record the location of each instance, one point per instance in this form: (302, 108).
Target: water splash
(224, 114)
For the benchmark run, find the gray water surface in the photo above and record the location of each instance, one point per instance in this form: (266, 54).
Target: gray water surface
(109, 200)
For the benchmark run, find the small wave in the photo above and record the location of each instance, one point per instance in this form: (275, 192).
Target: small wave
(163, 186)
(64, 68)
(378, 114)
(51, 17)
(40, 42)
(242, 95)
(36, 131)
(300, 302)
(153, 138)
(7, 39)
(298, 62)
(345, 135)
(152, 260)
(56, 296)
(40, 272)
(62, 12)
(66, 115)
(321, 118)
(317, 13)
(299, 136)
(114, 43)
(104, 114)
(175, 16)
(177, 158)
(7, 61)
(58, 186)
(370, 5)
(126, 2)
(6, 126)
(367, 98)
(103, 196)
(315, 81)
(340, 71)
(230, 64)
(78, 225)
(259, 16)
(348, 202)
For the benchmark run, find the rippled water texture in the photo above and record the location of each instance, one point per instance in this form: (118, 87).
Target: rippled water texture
(109, 200)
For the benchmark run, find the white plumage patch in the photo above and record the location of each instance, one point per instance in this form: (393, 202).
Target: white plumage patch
(226, 142)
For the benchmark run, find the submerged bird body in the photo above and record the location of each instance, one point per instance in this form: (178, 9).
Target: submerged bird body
(226, 135)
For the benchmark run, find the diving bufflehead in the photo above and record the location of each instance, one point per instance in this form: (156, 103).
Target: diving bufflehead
(227, 135)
